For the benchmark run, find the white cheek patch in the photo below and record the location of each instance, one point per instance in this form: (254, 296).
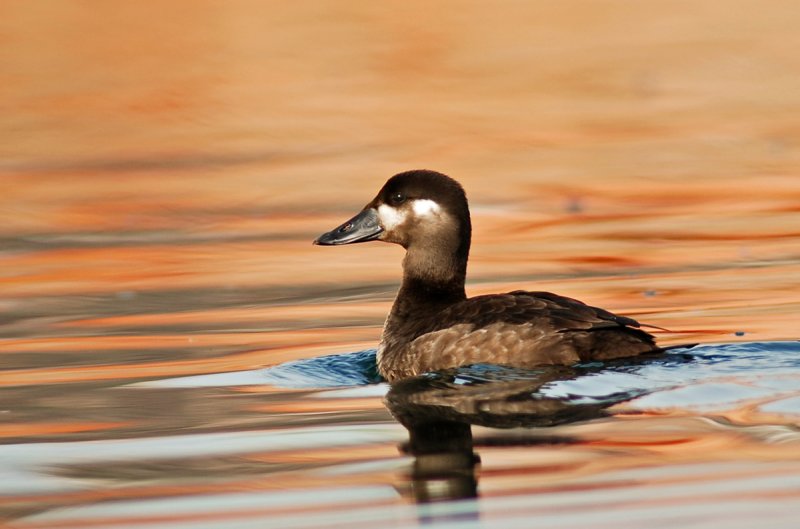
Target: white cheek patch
(426, 208)
(390, 217)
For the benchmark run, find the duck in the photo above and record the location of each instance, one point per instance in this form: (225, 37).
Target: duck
(434, 326)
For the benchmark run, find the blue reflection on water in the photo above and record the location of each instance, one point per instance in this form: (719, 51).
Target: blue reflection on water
(703, 376)
(350, 369)
(706, 375)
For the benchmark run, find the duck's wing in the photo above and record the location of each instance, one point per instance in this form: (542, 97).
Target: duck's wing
(554, 312)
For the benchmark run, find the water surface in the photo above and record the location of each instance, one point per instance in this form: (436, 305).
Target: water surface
(165, 169)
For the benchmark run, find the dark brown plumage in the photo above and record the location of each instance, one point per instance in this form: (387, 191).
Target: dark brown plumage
(432, 324)
(522, 329)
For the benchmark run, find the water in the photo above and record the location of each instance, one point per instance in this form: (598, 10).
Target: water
(175, 353)
(250, 447)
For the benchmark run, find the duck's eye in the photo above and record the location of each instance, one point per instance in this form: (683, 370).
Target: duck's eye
(397, 198)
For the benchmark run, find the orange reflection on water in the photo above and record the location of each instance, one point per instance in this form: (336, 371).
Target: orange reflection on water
(165, 168)
(610, 446)
(44, 429)
(269, 349)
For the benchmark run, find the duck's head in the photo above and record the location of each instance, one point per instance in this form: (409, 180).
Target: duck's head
(423, 211)
(413, 208)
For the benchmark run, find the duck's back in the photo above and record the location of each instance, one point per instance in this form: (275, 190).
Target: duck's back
(521, 329)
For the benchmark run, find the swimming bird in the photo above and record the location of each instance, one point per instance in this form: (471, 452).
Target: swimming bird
(432, 324)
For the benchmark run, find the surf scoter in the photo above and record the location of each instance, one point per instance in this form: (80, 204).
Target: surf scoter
(433, 325)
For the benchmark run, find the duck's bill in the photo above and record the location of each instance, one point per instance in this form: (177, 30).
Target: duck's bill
(361, 228)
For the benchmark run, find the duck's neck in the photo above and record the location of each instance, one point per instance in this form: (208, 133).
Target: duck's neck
(433, 279)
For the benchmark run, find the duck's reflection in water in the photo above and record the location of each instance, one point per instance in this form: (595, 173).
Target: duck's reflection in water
(438, 411)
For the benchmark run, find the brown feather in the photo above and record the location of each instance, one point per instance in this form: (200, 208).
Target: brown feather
(522, 329)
